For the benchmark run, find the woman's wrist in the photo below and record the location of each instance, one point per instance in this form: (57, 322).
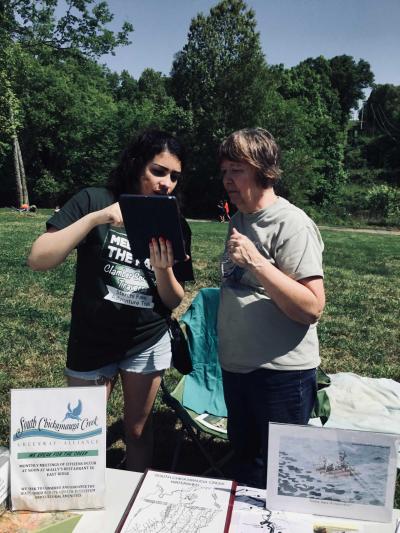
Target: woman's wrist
(169, 289)
(165, 272)
(95, 218)
(259, 265)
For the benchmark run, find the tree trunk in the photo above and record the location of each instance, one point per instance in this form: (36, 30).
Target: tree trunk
(20, 178)
(25, 195)
(17, 170)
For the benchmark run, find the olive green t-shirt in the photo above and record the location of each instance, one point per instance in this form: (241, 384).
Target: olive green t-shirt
(253, 332)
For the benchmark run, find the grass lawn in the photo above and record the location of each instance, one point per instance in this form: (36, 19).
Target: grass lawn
(359, 331)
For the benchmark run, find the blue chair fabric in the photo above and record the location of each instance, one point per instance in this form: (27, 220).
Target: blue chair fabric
(203, 391)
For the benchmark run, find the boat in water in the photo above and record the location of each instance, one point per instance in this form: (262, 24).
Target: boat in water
(341, 468)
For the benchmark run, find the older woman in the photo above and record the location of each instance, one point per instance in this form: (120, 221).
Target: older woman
(272, 295)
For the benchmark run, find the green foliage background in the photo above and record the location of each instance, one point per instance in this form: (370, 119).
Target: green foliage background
(73, 116)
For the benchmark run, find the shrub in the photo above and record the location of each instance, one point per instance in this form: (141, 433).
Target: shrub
(47, 189)
(384, 201)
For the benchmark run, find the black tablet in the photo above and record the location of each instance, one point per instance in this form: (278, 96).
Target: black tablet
(146, 217)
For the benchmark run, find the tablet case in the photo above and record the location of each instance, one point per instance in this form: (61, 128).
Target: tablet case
(146, 217)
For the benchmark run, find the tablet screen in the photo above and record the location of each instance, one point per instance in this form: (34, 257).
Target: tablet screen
(146, 217)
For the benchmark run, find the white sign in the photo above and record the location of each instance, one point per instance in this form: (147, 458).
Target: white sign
(332, 472)
(57, 448)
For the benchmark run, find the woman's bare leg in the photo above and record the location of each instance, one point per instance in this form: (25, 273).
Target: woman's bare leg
(140, 391)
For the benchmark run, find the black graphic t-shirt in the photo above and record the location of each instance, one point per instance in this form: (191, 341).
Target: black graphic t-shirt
(114, 312)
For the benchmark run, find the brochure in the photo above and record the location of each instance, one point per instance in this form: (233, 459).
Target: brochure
(174, 503)
(331, 472)
(217, 423)
(57, 453)
(27, 522)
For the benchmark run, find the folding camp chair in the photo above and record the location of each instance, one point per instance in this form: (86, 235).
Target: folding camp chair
(200, 394)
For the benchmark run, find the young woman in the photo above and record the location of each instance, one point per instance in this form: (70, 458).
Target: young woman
(118, 324)
(272, 295)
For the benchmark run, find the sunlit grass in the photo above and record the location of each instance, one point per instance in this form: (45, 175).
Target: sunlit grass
(359, 330)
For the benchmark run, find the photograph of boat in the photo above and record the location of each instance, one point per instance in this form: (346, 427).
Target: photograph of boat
(331, 472)
(345, 472)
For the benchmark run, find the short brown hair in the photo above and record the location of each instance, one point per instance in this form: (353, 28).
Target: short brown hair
(257, 147)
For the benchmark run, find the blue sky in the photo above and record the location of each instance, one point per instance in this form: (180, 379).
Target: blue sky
(290, 31)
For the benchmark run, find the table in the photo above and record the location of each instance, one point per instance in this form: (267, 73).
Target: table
(120, 485)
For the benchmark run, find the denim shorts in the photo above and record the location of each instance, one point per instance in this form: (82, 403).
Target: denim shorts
(154, 359)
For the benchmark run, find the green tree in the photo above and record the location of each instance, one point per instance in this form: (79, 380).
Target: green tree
(309, 83)
(11, 119)
(34, 25)
(220, 76)
(74, 125)
(146, 103)
(293, 127)
(123, 86)
(153, 86)
(70, 128)
(349, 79)
(380, 120)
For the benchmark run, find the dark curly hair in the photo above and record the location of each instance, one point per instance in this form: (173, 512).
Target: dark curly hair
(125, 177)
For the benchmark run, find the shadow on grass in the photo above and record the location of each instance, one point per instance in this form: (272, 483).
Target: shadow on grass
(166, 432)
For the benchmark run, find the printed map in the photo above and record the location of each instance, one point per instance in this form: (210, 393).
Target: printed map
(171, 503)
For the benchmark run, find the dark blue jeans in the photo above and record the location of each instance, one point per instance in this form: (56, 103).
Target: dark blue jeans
(255, 399)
